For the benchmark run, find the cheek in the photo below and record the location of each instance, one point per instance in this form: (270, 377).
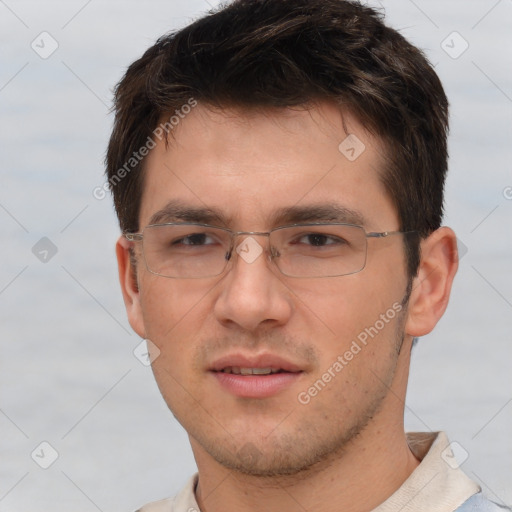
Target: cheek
(173, 311)
(356, 316)
(358, 352)
(343, 306)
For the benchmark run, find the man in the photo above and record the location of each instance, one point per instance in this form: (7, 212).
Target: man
(277, 169)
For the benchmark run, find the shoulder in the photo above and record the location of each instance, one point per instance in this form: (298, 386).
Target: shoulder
(158, 506)
(479, 503)
(184, 501)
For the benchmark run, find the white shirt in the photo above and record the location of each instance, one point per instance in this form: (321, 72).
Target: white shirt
(436, 485)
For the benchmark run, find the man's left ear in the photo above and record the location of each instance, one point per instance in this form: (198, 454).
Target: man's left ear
(432, 286)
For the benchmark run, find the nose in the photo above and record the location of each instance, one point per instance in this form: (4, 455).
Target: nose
(252, 292)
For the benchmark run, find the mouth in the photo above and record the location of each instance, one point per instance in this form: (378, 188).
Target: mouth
(255, 376)
(237, 370)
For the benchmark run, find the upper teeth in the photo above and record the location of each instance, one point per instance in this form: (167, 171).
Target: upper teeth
(250, 371)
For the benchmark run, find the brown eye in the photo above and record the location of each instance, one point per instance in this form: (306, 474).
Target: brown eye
(194, 239)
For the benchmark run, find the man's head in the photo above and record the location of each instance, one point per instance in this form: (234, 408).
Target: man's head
(261, 54)
(270, 114)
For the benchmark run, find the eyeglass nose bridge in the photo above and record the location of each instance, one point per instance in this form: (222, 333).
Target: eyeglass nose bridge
(249, 249)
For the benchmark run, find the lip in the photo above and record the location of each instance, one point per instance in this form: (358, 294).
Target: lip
(255, 386)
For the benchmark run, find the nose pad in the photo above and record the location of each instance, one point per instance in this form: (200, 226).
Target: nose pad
(273, 253)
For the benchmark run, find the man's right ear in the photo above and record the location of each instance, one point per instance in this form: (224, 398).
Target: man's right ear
(126, 262)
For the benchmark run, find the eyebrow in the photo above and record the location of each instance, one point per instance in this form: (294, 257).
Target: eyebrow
(177, 211)
(325, 212)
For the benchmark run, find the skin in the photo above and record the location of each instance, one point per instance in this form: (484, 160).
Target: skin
(346, 449)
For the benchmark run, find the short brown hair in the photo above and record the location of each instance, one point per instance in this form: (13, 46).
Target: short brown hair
(283, 53)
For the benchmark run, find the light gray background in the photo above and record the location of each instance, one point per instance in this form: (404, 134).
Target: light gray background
(68, 374)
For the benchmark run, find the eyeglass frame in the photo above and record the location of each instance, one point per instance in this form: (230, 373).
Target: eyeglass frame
(139, 237)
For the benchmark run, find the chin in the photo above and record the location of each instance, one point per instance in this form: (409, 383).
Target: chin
(277, 457)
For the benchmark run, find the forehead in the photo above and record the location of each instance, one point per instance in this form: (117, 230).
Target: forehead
(246, 165)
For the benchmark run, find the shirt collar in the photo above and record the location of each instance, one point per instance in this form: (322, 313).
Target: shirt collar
(437, 484)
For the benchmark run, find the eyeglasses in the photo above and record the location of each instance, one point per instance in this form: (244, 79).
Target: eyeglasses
(192, 251)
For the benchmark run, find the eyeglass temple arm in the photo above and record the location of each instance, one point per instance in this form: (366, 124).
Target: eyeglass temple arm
(384, 234)
(133, 237)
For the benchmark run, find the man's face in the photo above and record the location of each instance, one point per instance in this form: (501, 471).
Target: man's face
(248, 168)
